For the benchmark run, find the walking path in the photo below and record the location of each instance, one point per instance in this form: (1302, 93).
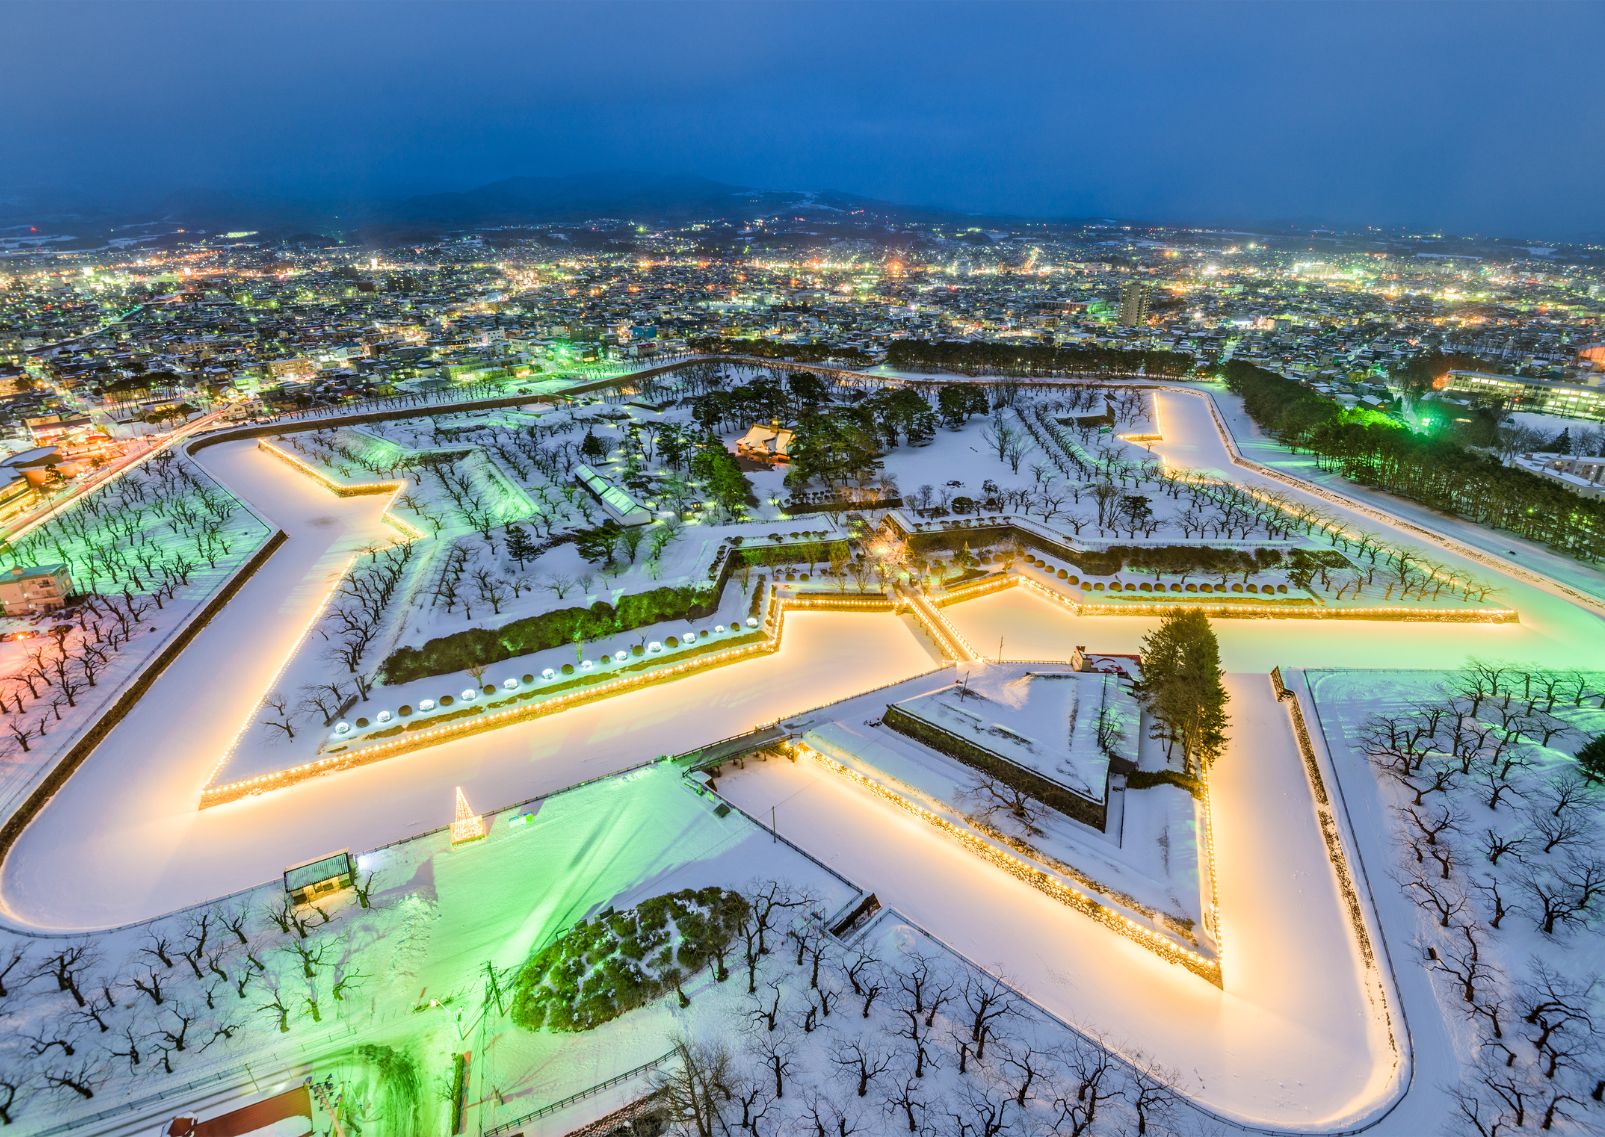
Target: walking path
(1290, 1041)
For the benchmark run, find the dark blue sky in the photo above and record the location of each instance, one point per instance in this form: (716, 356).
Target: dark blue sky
(1485, 117)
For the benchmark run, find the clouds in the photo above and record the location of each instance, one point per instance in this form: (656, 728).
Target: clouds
(1476, 116)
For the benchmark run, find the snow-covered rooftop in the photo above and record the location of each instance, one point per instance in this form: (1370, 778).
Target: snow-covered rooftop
(1046, 721)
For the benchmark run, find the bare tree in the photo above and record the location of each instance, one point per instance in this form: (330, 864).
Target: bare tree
(151, 985)
(778, 1057)
(981, 1112)
(280, 716)
(860, 1062)
(695, 1086)
(1090, 1085)
(987, 999)
(1462, 961)
(80, 1079)
(1561, 827)
(904, 1099)
(766, 1010)
(1029, 1065)
(277, 1008)
(42, 1042)
(15, 1083)
(1150, 1094)
(991, 797)
(14, 957)
(159, 947)
(67, 968)
(1496, 844)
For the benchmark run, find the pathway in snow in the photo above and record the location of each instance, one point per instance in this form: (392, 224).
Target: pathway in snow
(124, 841)
(1287, 1041)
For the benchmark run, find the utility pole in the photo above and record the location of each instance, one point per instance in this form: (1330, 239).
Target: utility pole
(320, 1091)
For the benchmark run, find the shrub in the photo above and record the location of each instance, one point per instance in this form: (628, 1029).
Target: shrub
(461, 650)
(619, 960)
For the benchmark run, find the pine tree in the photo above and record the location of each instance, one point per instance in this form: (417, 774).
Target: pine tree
(1592, 758)
(1182, 686)
(519, 546)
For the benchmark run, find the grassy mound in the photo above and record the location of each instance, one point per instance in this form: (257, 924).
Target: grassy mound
(617, 961)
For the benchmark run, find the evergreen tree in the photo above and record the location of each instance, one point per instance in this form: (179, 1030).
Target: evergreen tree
(1182, 686)
(1592, 758)
(593, 449)
(519, 546)
(957, 402)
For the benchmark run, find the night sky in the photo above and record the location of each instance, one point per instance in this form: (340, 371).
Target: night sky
(1465, 117)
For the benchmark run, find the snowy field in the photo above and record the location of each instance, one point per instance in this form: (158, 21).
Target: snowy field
(1292, 1041)
(153, 851)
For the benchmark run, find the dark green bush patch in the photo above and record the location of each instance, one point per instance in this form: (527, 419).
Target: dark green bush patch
(619, 960)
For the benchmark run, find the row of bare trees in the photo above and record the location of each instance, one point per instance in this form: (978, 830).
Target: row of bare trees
(1501, 851)
(84, 1014)
(835, 1038)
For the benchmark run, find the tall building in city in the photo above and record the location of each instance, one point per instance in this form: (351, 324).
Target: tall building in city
(1133, 302)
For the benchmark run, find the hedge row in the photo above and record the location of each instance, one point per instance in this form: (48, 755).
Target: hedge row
(1048, 792)
(1182, 559)
(464, 649)
(1144, 779)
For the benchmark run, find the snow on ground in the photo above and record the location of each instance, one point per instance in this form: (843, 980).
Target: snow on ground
(1191, 415)
(1289, 1041)
(146, 850)
(1043, 720)
(1275, 1046)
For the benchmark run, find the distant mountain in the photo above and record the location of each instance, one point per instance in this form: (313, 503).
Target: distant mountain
(564, 199)
(620, 194)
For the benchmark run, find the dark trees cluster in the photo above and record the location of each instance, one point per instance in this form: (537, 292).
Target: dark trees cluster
(975, 357)
(1434, 471)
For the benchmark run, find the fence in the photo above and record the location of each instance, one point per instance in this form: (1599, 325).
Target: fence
(547, 1110)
